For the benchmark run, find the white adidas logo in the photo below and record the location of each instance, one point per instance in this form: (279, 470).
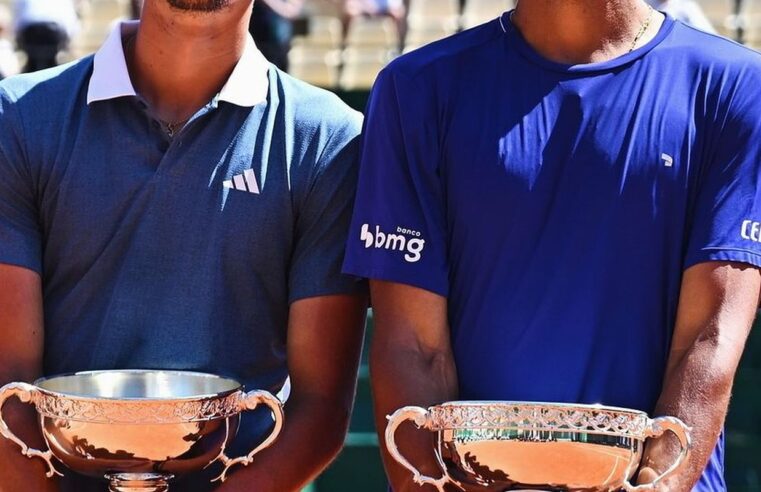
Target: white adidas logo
(243, 182)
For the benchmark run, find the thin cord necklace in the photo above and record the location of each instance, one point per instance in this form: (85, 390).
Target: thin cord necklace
(171, 128)
(642, 28)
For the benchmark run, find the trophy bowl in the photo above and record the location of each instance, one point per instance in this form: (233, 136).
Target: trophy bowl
(500, 446)
(138, 429)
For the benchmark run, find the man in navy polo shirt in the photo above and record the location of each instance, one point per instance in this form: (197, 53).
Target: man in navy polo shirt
(177, 202)
(563, 205)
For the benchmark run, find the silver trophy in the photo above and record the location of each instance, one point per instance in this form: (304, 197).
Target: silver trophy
(138, 429)
(502, 446)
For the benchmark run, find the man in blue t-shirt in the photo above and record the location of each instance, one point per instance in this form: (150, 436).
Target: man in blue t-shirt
(176, 202)
(564, 204)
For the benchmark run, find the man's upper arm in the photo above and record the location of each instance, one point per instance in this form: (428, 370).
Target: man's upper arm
(328, 309)
(324, 341)
(720, 287)
(410, 317)
(21, 351)
(718, 303)
(21, 319)
(21, 324)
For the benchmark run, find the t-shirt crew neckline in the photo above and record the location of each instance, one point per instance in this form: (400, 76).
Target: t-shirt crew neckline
(517, 40)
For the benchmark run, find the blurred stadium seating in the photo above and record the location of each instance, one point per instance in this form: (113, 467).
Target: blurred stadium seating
(329, 57)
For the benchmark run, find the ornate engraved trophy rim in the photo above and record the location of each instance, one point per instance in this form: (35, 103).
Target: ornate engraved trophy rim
(540, 404)
(499, 416)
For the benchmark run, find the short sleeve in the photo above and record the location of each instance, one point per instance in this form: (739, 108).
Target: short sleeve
(398, 231)
(323, 218)
(726, 225)
(20, 238)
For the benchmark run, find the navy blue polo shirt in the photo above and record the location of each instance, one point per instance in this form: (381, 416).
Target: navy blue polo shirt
(557, 207)
(183, 252)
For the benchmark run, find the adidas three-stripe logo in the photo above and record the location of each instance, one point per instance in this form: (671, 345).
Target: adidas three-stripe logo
(243, 182)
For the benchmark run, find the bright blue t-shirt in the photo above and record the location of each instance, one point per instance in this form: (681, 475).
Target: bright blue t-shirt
(557, 207)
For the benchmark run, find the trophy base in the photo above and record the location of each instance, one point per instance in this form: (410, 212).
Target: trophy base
(138, 482)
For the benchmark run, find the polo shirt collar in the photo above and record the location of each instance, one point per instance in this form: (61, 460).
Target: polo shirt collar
(247, 85)
(110, 78)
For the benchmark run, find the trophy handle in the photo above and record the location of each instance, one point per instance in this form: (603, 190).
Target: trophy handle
(421, 418)
(25, 393)
(657, 428)
(250, 402)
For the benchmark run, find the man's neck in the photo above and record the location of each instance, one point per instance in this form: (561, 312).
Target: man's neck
(178, 61)
(585, 31)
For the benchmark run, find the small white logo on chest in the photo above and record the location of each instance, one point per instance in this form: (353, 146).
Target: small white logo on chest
(243, 182)
(668, 161)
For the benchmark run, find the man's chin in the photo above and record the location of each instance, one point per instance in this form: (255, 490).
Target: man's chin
(198, 5)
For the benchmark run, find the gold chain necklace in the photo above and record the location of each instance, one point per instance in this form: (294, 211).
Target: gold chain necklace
(643, 28)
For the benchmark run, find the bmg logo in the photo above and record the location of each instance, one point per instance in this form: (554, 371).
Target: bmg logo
(405, 240)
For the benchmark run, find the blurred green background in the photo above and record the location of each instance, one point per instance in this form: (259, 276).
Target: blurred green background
(743, 458)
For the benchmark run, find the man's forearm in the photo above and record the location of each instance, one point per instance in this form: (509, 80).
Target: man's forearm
(312, 436)
(696, 390)
(17, 472)
(403, 377)
(21, 348)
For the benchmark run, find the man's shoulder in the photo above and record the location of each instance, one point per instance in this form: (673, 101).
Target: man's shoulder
(46, 87)
(313, 108)
(728, 72)
(711, 51)
(443, 56)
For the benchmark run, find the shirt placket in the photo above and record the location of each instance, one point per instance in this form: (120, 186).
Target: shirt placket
(171, 144)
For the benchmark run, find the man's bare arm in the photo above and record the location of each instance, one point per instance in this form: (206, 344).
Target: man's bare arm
(21, 349)
(411, 363)
(717, 306)
(324, 343)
